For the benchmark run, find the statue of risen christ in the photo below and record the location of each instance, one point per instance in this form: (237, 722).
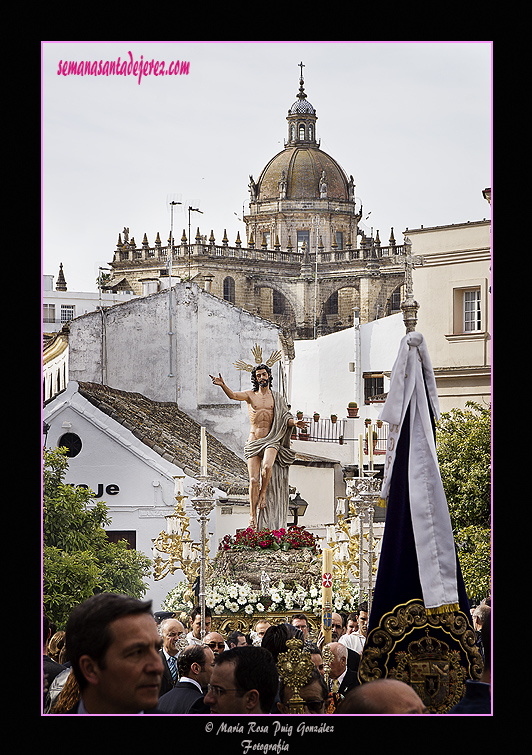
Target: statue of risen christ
(267, 450)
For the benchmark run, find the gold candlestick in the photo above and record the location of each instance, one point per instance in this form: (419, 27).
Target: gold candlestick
(295, 667)
(175, 549)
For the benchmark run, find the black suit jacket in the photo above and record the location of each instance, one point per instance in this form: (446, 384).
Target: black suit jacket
(167, 683)
(349, 681)
(185, 697)
(353, 660)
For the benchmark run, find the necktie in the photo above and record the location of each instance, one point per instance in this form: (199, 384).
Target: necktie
(172, 666)
(334, 685)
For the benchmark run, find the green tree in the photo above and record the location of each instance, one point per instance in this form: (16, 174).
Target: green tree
(78, 558)
(463, 440)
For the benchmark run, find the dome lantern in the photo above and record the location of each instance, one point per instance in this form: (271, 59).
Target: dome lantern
(301, 119)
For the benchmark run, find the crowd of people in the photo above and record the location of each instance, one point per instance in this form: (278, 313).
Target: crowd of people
(117, 657)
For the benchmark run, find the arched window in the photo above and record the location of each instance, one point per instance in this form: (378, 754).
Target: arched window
(229, 290)
(278, 303)
(394, 302)
(292, 132)
(331, 305)
(301, 132)
(310, 137)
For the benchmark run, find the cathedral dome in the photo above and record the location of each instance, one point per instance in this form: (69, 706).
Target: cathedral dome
(302, 171)
(303, 168)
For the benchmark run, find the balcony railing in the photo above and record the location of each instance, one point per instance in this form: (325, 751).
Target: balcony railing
(182, 252)
(327, 431)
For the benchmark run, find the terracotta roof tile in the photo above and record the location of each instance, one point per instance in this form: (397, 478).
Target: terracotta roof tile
(171, 433)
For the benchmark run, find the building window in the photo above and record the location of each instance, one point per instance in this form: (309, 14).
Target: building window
(130, 536)
(471, 309)
(68, 312)
(303, 236)
(278, 303)
(467, 310)
(395, 300)
(301, 132)
(339, 237)
(229, 290)
(373, 387)
(331, 305)
(72, 443)
(48, 312)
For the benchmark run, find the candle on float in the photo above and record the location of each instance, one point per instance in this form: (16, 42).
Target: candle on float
(326, 595)
(178, 486)
(172, 525)
(353, 527)
(370, 445)
(361, 455)
(203, 452)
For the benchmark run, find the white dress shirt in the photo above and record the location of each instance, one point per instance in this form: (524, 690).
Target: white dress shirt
(353, 641)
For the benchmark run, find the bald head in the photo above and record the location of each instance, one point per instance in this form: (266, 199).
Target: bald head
(215, 641)
(383, 696)
(338, 663)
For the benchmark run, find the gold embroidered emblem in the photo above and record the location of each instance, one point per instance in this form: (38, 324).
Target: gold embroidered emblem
(434, 653)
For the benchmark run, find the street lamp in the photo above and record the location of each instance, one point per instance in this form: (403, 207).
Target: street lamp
(191, 209)
(170, 333)
(297, 507)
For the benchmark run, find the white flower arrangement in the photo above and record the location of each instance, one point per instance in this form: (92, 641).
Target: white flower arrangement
(223, 597)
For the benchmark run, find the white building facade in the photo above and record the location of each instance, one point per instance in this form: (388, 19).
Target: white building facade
(453, 288)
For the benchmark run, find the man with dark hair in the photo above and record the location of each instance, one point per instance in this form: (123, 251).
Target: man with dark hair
(113, 645)
(314, 695)
(267, 450)
(352, 622)
(356, 640)
(276, 636)
(316, 656)
(244, 680)
(299, 620)
(195, 665)
(194, 636)
(236, 639)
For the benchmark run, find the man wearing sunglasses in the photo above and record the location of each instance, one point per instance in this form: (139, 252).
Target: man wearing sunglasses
(215, 642)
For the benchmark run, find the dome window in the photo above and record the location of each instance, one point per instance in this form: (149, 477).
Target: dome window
(301, 132)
